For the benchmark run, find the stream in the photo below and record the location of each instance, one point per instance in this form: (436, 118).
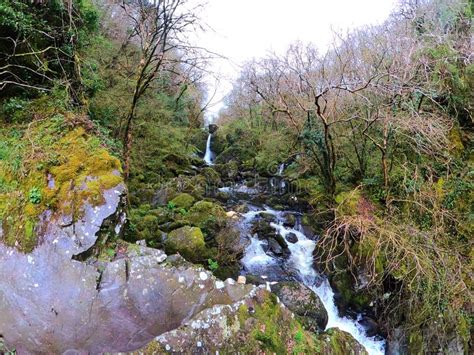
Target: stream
(298, 265)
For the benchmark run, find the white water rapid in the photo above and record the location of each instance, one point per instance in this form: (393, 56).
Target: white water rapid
(208, 155)
(256, 261)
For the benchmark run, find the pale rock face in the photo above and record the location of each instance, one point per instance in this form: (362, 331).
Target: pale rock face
(241, 280)
(51, 303)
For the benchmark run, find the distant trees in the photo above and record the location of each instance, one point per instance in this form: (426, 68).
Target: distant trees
(378, 91)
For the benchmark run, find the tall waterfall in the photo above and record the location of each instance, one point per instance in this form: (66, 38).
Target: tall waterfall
(208, 156)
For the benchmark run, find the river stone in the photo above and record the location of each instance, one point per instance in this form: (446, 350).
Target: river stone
(291, 237)
(263, 229)
(304, 303)
(290, 220)
(275, 247)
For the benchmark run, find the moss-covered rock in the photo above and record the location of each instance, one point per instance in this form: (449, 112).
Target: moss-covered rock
(188, 241)
(49, 166)
(227, 170)
(258, 325)
(208, 216)
(304, 303)
(213, 179)
(183, 200)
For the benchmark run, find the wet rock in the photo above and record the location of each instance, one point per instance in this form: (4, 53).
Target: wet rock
(275, 247)
(212, 128)
(290, 220)
(281, 241)
(263, 229)
(291, 237)
(371, 326)
(268, 217)
(256, 280)
(255, 325)
(304, 303)
(243, 208)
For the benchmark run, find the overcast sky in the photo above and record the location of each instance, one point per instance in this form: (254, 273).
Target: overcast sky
(246, 29)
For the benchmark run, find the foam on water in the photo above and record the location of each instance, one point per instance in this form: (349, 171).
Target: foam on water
(301, 259)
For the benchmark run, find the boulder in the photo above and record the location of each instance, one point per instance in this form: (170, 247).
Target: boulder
(291, 237)
(188, 241)
(338, 342)
(213, 178)
(258, 324)
(290, 220)
(243, 208)
(117, 306)
(183, 200)
(212, 128)
(208, 216)
(275, 247)
(227, 170)
(263, 229)
(304, 303)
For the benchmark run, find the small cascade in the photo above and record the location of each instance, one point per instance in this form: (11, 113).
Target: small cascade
(209, 156)
(282, 180)
(300, 262)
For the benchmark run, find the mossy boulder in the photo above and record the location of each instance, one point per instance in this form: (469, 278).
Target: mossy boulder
(212, 177)
(337, 342)
(208, 216)
(183, 200)
(145, 224)
(304, 303)
(239, 154)
(188, 241)
(227, 170)
(49, 167)
(258, 325)
(218, 143)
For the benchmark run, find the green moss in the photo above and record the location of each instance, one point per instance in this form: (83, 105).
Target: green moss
(208, 216)
(188, 241)
(48, 165)
(183, 200)
(348, 202)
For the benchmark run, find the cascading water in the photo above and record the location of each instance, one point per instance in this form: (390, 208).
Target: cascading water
(256, 261)
(208, 156)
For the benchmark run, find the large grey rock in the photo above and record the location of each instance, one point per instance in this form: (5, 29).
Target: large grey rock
(52, 303)
(72, 237)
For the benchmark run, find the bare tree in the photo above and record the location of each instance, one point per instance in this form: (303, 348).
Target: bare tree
(159, 28)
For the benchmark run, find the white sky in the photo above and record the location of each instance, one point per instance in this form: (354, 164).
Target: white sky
(246, 29)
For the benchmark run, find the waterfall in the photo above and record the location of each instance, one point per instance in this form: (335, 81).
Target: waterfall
(256, 261)
(208, 157)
